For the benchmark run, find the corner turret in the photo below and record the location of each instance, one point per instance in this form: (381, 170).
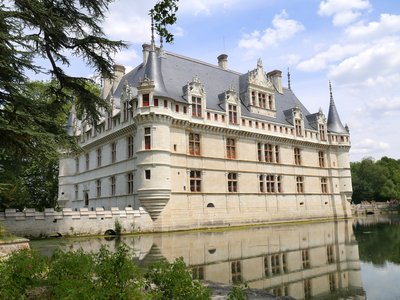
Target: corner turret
(334, 123)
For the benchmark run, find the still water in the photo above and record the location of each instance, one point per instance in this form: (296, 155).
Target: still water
(347, 259)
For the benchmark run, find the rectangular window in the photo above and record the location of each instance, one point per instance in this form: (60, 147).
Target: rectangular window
(196, 106)
(236, 268)
(77, 165)
(126, 110)
(300, 184)
(261, 183)
(279, 184)
(307, 289)
(147, 138)
(268, 153)
(275, 264)
(198, 273)
(230, 148)
(130, 183)
(194, 144)
(305, 257)
(215, 117)
(109, 119)
(177, 108)
(253, 98)
(146, 99)
(297, 156)
(277, 157)
(332, 282)
(322, 132)
(195, 181)
(76, 191)
(155, 102)
(87, 159)
(166, 103)
(185, 110)
(321, 159)
(270, 182)
(112, 185)
(270, 102)
(223, 118)
(329, 254)
(113, 152)
(130, 146)
(98, 152)
(259, 151)
(232, 114)
(261, 100)
(232, 182)
(298, 128)
(98, 188)
(208, 116)
(147, 174)
(266, 266)
(324, 185)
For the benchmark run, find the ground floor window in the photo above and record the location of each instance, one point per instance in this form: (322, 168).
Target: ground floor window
(232, 182)
(195, 181)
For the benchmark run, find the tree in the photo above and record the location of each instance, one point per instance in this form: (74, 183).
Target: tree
(53, 30)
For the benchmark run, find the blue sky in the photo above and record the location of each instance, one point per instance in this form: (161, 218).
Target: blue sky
(353, 43)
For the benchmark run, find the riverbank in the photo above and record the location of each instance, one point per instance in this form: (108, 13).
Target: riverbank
(376, 208)
(9, 245)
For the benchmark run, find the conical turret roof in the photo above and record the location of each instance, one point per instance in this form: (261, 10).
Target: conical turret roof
(334, 123)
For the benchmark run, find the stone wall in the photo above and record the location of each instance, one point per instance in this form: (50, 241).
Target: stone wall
(69, 222)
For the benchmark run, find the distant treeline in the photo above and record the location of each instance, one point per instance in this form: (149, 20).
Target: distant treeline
(376, 180)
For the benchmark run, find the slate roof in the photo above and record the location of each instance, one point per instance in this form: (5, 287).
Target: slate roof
(171, 72)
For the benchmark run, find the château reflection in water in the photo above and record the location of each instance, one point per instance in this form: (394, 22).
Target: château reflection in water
(313, 260)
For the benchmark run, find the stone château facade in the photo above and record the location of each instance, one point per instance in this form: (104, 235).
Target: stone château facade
(198, 145)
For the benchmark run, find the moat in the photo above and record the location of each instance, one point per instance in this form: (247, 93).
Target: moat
(356, 258)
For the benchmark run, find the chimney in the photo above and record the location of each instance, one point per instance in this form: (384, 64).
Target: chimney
(119, 72)
(276, 78)
(146, 50)
(223, 61)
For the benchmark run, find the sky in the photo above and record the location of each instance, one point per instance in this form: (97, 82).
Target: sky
(353, 43)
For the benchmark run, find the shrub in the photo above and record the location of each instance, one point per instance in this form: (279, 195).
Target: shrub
(21, 272)
(174, 281)
(237, 293)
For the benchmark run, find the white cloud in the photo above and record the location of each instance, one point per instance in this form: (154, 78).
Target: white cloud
(334, 53)
(126, 56)
(344, 12)
(206, 7)
(282, 29)
(388, 24)
(381, 58)
(369, 146)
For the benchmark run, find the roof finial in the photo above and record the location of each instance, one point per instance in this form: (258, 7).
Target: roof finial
(330, 90)
(288, 75)
(152, 28)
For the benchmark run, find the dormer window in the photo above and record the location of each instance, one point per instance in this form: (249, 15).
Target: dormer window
(126, 110)
(109, 119)
(262, 100)
(196, 106)
(232, 114)
(322, 135)
(298, 127)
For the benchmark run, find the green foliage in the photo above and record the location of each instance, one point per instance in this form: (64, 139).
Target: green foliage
(379, 243)
(22, 272)
(237, 293)
(103, 275)
(379, 181)
(71, 274)
(174, 281)
(33, 115)
(118, 227)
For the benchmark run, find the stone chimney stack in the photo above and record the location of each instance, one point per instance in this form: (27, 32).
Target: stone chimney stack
(223, 61)
(276, 78)
(119, 72)
(146, 50)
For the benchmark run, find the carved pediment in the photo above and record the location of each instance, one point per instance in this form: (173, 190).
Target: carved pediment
(258, 76)
(194, 87)
(231, 96)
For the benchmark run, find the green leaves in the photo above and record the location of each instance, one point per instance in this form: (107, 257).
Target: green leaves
(164, 13)
(102, 275)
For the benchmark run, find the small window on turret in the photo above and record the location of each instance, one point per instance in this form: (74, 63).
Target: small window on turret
(147, 174)
(146, 100)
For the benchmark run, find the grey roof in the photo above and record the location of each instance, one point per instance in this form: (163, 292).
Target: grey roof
(334, 123)
(171, 72)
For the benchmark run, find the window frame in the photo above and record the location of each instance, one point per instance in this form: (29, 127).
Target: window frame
(232, 182)
(194, 144)
(195, 181)
(230, 148)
